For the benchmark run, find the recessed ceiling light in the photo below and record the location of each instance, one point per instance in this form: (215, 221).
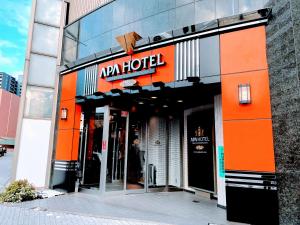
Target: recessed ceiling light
(165, 106)
(141, 103)
(154, 97)
(179, 100)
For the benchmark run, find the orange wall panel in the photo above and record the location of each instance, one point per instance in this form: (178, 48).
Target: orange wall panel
(68, 89)
(260, 106)
(165, 73)
(64, 145)
(68, 137)
(243, 50)
(248, 145)
(69, 122)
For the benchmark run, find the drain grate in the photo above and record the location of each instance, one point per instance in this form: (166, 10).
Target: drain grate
(196, 201)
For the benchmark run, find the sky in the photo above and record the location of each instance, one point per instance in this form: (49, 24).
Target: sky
(14, 21)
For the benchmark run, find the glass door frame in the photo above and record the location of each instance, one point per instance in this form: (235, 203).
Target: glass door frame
(142, 190)
(186, 186)
(105, 139)
(105, 147)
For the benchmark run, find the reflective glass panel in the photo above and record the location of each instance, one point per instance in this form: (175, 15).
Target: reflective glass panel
(39, 102)
(250, 5)
(48, 11)
(45, 39)
(119, 12)
(183, 2)
(69, 55)
(95, 45)
(96, 23)
(42, 70)
(166, 5)
(224, 8)
(185, 15)
(204, 11)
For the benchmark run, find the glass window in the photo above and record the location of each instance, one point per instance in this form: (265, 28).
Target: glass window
(119, 13)
(224, 8)
(71, 35)
(70, 42)
(96, 23)
(95, 45)
(185, 15)
(250, 5)
(39, 102)
(148, 9)
(48, 11)
(42, 70)
(166, 5)
(162, 22)
(130, 10)
(120, 31)
(172, 21)
(183, 2)
(155, 24)
(45, 39)
(204, 11)
(69, 55)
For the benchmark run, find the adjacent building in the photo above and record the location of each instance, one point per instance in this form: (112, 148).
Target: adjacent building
(8, 83)
(20, 83)
(131, 96)
(9, 108)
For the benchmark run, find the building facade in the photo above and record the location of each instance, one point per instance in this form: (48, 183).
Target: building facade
(168, 95)
(20, 83)
(8, 83)
(9, 107)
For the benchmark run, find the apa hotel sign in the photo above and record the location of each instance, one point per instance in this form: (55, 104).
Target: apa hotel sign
(132, 68)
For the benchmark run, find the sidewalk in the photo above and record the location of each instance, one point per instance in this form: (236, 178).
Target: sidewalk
(22, 216)
(5, 169)
(169, 207)
(178, 208)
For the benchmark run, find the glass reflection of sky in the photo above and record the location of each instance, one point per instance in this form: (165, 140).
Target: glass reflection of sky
(97, 31)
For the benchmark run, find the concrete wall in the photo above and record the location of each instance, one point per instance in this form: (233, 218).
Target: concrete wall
(9, 108)
(283, 49)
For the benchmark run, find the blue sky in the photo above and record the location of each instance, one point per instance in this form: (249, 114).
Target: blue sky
(14, 20)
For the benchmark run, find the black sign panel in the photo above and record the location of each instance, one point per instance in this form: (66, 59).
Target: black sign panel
(200, 150)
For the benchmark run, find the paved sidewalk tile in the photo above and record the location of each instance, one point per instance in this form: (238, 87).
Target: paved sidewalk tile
(14, 215)
(5, 169)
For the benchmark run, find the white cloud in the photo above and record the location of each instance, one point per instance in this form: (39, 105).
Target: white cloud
(7, 44)
(16, 14)
(17, 73)
(6, 61)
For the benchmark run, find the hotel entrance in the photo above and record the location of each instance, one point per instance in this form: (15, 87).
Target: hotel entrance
(146, 143)
(130, 152)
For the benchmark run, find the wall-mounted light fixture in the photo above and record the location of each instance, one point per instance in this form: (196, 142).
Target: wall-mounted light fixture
(244, 94)
(64, 114)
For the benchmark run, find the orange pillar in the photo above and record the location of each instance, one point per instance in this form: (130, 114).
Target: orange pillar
(248, 138)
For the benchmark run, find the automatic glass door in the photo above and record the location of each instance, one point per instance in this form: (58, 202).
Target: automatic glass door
(136, 155)
(91, 148)
(116, 151)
